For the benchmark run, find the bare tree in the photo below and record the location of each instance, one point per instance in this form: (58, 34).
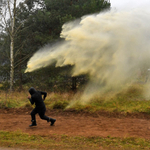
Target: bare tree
(12, 35)
(9, 12)
(8, 19)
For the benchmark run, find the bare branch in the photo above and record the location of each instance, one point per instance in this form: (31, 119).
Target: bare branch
(22, 60)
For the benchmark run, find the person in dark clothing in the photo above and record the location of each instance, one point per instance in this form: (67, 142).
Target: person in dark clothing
(36, 98)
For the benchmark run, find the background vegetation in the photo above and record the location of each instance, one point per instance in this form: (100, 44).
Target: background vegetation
(39, 22)
(126, 102)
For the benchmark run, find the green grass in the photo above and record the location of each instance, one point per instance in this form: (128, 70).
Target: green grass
(130, 100)
(64, 142)
(13, 100)
(116, 105)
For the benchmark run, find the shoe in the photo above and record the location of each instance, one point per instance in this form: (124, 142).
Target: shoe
(33, 123)
(52, 121)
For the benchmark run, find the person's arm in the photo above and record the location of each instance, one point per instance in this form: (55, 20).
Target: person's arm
(44, 95)
(31, 100)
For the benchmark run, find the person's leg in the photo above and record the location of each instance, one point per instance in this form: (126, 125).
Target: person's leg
(44, 117)
(33, 119)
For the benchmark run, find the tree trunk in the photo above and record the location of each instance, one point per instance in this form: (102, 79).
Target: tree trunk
(11, 64)
(74, 85)
(20, 72)
(12, 36)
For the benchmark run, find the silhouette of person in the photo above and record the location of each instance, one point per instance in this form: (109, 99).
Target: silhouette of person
(36, 98)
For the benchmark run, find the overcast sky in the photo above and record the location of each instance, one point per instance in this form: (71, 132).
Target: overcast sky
(129, 4)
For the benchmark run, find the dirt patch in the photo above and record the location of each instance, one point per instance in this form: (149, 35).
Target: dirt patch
(3, 148)
(71, 123)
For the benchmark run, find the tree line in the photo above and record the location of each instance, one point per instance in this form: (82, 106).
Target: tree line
(28, 25)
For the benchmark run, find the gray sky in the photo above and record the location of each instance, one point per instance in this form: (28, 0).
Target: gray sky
(129, 4)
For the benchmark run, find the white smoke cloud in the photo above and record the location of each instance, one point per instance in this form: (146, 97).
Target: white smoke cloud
(109, 46)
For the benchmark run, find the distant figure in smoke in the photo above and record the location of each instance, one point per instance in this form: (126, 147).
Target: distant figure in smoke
(36, 97)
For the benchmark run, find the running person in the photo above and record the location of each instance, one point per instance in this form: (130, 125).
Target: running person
(36, 98)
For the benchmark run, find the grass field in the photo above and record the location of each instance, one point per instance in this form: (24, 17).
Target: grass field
(64, 142)
(129, 101)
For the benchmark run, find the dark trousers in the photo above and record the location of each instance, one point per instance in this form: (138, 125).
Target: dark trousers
(41, 112)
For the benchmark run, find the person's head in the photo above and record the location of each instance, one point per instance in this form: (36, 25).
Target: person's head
(32, 90)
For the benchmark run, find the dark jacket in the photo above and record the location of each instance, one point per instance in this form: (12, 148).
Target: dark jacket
(36, 97)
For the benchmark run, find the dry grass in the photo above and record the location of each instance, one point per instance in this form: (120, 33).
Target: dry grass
(129, 100)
